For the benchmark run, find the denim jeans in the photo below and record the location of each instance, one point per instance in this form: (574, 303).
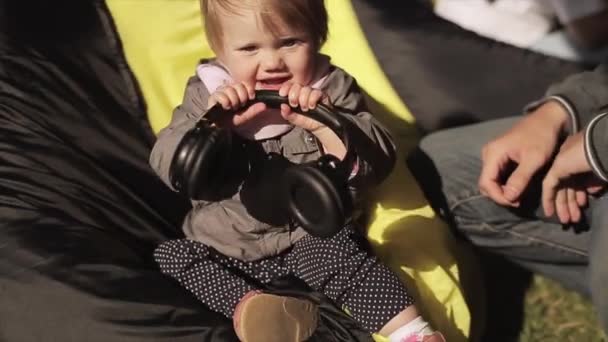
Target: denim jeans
(575, 255)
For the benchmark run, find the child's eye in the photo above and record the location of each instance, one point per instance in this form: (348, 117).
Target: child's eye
(290, 42)
(248, 48)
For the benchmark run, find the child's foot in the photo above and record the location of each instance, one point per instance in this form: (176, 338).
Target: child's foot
(264, 317)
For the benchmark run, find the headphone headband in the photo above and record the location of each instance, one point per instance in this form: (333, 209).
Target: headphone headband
(320, 113)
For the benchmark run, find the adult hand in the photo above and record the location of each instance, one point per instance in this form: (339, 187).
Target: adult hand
(530, 144)
(569, 180)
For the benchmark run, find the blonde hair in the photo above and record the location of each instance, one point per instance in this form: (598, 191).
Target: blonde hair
(305, 15)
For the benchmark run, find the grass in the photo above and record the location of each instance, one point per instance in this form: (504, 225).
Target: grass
(527, 308)
(552, 313)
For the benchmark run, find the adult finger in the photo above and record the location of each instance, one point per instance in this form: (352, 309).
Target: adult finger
(573, 208)
(550, 184)
(581, 198)
(489, 179)
(594, 185)
(561, 206)
(520, 178)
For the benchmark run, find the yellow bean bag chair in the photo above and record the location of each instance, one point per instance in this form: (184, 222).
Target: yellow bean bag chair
(163, 41)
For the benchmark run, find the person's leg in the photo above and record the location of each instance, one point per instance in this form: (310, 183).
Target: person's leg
(348, 275)
(192, 264)
(343, 268)
(598, 256)
(521, 235)
(232, 287)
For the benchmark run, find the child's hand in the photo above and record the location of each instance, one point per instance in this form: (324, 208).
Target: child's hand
(305, 97)
(308, 98)
(233, 98)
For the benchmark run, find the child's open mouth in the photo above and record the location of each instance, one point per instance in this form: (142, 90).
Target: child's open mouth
(272, 83)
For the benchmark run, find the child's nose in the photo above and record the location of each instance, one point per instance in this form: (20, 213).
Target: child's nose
(273, 61)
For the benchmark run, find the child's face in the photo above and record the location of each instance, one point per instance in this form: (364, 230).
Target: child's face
(256, 56)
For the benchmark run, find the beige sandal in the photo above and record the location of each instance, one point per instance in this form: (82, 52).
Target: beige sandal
(264, 317)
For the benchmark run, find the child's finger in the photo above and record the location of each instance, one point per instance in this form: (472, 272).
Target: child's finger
(233, 97)
(223, 100)
(249, 113)
(285, 110)
(285, 88)
(303, 98)
(314, 98)
(294, 94)
(242, 93)
(250, 90)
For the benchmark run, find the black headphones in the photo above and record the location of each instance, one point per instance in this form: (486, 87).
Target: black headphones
(316, 194)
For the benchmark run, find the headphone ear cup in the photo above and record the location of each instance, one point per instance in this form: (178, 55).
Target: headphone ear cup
(209, 165)
(200, 160)
(313, 200)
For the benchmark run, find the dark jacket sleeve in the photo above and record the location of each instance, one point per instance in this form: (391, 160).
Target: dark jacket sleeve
(185, 116)
(371, 141)
(586, 97)
(586, 93)
(596, 145)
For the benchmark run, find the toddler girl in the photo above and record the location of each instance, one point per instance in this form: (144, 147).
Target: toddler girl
(274, 44)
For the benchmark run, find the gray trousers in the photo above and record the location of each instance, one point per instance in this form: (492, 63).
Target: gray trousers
(575, 256)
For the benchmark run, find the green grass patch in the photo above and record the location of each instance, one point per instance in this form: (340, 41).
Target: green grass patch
(553, 313)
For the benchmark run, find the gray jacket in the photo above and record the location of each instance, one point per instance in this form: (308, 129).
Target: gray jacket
(228, 225)
(585, 98)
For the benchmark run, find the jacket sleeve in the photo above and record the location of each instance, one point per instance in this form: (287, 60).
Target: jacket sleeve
(596, 145)
(585, 98)
(585, 94)
(184, 118)
(372, 142)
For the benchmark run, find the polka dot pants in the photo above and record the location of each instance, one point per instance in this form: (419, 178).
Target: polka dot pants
(339, 267)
